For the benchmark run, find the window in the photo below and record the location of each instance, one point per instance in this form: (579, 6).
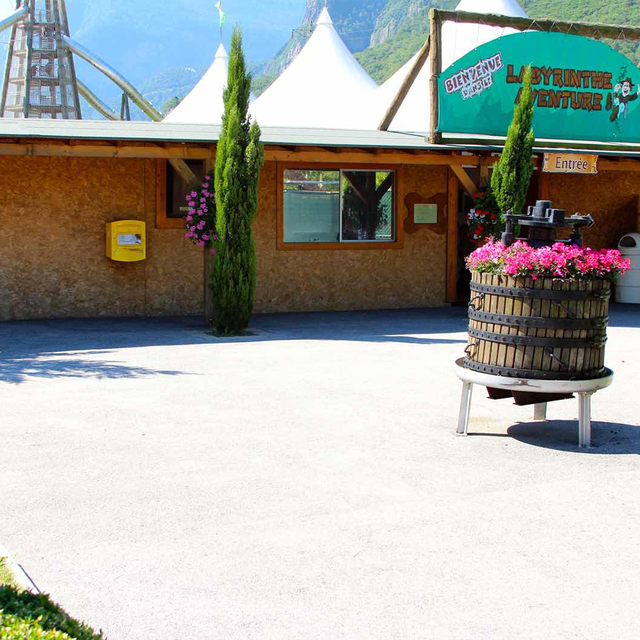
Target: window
(171, 192)
(338, 207)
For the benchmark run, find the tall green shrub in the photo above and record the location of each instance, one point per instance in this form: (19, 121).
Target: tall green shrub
(512, 173)
(238, 160)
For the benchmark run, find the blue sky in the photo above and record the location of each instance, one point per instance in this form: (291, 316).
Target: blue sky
(140, 38)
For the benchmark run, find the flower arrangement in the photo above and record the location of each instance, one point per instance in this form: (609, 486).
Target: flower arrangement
(484, 220)
(557, 261)
(200, 221)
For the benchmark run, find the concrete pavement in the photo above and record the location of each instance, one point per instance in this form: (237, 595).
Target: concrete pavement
(305, 482)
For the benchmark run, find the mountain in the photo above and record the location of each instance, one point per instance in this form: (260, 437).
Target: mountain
(384, 35)
(144, 38)
(165, 46)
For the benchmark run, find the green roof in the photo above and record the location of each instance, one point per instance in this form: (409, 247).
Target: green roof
(134, 131)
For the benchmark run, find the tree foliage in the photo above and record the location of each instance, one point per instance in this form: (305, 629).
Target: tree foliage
(512, 173)
(238, 160)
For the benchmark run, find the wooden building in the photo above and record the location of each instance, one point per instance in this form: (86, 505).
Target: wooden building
(61, 182)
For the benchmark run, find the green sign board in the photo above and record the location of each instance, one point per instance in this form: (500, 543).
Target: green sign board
(425, 214)
(583, 89)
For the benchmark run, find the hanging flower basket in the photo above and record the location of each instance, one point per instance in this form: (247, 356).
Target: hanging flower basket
(484, 220)
(200, 221)
(540, 313)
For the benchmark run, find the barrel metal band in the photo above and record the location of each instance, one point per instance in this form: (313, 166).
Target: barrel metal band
(530, 374)
(538, 322)
(532, 341)
(544, 294)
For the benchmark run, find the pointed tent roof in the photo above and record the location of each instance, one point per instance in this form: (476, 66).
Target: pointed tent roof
(203, 104)
(458, 39)
(314, 89)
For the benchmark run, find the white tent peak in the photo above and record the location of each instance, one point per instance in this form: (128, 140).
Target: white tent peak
(324, 17)
(498, 7)
(203, 104)
(321, 86)
(458, 39)
(221, 52)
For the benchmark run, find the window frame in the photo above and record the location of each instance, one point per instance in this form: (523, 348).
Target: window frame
(345, 245)
(162, 220)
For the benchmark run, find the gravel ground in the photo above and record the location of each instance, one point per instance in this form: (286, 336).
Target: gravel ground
(305, 483)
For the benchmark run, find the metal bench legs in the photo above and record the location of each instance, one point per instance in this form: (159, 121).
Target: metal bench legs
(539, 413)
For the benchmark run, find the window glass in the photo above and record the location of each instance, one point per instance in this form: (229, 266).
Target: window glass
(338, 206)
(367, 205)
(311, 206)
(177, 188)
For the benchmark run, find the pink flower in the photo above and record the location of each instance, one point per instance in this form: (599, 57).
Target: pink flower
(201, 243)
(205, 237)
(212, 252)
(207, 177)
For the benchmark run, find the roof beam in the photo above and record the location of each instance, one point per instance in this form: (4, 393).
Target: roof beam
(358, 156)
(466, 181)
(407, 83)
(589, 29)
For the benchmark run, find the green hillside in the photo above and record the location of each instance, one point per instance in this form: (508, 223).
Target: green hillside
(400, 27)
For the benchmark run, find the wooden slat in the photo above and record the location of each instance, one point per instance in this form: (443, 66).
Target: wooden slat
(540, 309)
(518, 310)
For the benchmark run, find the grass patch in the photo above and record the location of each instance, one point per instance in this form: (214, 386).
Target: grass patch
(6, 576)
(30, 616)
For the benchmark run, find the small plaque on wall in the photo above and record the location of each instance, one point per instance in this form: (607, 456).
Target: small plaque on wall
(425, 214)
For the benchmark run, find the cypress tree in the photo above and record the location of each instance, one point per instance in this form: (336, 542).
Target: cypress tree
(238, 160)
(512, 173)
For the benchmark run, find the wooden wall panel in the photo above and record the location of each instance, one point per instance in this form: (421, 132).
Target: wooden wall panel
(611, 198)
(343, 280)
(53, 212)
(52, 242)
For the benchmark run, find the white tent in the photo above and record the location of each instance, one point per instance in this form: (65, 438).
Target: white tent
(458, 39)
(203, 104)
(320, 86)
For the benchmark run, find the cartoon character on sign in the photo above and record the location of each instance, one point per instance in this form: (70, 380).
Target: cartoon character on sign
(623, 93)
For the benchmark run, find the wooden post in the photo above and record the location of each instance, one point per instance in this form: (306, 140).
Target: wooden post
(485, 165)
(406, 86)
(543, 182)
(209, 169)
(435, 37)
(452, 237)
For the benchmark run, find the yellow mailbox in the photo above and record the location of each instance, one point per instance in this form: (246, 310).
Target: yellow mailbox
(126, 240)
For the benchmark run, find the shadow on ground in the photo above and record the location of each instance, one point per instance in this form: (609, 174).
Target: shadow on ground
(606, 437)
(406, 325)
(60, 365)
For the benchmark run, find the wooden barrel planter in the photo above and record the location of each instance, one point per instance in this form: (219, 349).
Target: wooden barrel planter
(546, 328)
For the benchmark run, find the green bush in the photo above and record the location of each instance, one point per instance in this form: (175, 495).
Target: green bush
(29, 616)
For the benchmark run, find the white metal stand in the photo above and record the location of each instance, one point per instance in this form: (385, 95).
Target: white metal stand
(584, 388)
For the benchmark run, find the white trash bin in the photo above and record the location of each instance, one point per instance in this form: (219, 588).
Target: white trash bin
(628, 285)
